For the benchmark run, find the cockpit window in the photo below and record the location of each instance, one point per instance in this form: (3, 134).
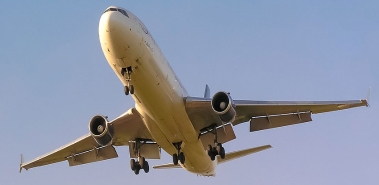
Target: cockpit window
(119, 10)
(110, 9)
(123, 12)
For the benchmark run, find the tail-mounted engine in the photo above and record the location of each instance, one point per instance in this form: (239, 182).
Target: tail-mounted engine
(101, 130)
(224, 106)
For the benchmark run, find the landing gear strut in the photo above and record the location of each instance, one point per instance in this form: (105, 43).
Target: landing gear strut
(126, 73)
(218, 149)
(141, 163)
(178, 156)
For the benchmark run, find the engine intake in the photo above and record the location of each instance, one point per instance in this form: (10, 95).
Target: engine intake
(100, 130)
(224, 106)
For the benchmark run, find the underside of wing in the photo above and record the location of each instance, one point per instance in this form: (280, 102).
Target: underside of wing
(87, 148)
(83, 144)
(257, 109)
(263, 114)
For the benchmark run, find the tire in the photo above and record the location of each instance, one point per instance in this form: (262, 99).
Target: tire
(136, 171)
(142, 162)
(214, 150)
(146, 167)
(131, 89)
(209, 148)
(175, 159)
(222, 153)
(213, 157)
(182, 158)
(218, 148)
(132, 164)
(126, 90)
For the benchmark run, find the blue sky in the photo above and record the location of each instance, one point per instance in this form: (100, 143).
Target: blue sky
(54, 78)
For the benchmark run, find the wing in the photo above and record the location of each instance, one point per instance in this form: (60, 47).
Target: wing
(260, 109)
(84, 150)
(264, 114)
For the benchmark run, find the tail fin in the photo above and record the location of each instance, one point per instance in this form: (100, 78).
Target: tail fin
(241, 153)
(207, 92)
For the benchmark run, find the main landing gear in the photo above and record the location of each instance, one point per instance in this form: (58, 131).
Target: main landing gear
(218, 149)
(136, 166)
(214, 151)
(178, 156)
(141, 163)
(126, 72)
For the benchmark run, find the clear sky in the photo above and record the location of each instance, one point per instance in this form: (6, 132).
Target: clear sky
(54, 78)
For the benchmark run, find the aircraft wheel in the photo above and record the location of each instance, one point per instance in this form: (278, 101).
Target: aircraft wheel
(213, 157)
(209, 148)
(141, 161)
(133, 164)
(126, 90)
(175, 159)
(218, 148)
(136, 171)
(146, 167)
(131, 89)
(222, 153)
(182, 158)
(214, 151)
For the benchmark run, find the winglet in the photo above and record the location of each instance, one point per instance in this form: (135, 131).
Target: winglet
(207, 92)
(368, 97)
(22, 162)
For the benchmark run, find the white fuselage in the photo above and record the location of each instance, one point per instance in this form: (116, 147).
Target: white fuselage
(158, 92)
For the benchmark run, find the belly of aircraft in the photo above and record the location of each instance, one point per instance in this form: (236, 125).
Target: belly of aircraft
(166, 118)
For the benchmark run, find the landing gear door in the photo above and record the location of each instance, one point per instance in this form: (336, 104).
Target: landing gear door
(223, 136)
(146, 150)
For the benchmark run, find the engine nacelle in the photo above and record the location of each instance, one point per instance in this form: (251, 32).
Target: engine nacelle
(224, 106)
(101, 130)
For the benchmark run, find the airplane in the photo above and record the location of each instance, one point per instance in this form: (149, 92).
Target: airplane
(190, 129)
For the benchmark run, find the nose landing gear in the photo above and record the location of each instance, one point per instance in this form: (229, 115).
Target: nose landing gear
(126, 73)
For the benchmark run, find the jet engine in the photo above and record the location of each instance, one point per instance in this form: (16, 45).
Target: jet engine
(224, 106)
(101, 130)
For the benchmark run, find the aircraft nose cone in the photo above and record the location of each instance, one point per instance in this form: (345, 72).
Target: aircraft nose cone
(111, 29)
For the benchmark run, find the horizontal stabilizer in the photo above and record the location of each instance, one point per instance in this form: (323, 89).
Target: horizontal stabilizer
(241, 153)
(167, 166)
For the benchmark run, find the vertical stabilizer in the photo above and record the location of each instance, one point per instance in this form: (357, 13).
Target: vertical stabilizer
(207, 92)
(241, 153)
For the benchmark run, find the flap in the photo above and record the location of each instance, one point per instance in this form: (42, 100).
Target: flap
(126, 127)
(93, 156)
(267, 122)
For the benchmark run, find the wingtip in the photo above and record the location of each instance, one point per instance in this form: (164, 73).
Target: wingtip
(21, 163)
(368, 97)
